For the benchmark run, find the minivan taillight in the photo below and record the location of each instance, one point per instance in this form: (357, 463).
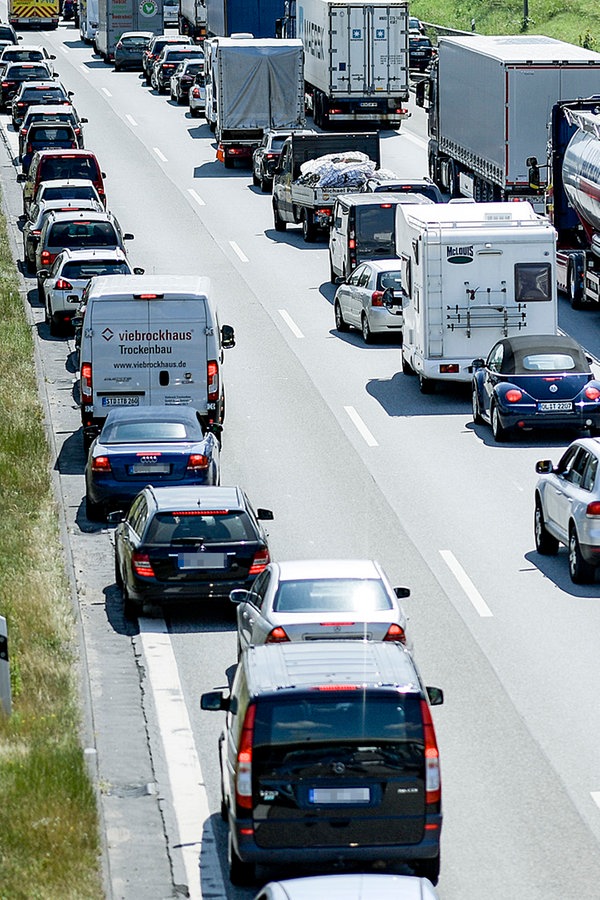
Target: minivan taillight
(433, 784)
(243, 781)
(212, 377)
(86, 383)
(260, 561)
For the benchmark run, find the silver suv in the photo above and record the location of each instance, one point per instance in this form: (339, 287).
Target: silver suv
(567, 508)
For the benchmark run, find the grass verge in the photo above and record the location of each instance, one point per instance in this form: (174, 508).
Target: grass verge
(49, 845)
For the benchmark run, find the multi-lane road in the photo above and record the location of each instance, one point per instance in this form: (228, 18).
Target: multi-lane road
(353, 461)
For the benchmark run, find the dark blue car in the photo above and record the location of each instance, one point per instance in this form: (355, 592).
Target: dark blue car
(535, 381)
(157, 445)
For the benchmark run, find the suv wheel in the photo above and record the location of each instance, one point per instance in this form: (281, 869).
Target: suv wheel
(240, 873)
(581, 572)
(545, 543)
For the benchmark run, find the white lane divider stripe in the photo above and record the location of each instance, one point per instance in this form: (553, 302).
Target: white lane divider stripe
(64, 50)
(106, 91)
(84, 69)
(238, 252)
(466, 584)
(361, 427)
(290, 323)
(190, 800)
(415, 140)
(160, 155)
(596, 797)
(195, 197)
(131, 120)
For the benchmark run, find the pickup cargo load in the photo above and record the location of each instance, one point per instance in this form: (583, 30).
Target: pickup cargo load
(472, 273)
(356, 67)
(301, 203)
(192, 18)
(255, 17)
(37, 13)
(253, 85)
(117, 16)
(490, 100)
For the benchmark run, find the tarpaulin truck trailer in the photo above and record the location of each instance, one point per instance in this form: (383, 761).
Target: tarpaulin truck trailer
(255, 17)
(472, 273)
(253, 85)
(36, 13)
(117, 16)
(356, 67)
(192, 18)
(489, 100)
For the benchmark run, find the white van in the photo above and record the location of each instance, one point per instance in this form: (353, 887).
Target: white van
(151, 340)
(472, 273)
(88, 20)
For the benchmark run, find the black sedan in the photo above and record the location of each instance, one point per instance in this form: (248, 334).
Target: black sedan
(535, 381)
(420, 51)
(184, 78)
(38, 93)
(188, 543)
(157, 445)
(15, 74)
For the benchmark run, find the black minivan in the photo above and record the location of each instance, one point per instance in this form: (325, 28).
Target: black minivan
(329, 754)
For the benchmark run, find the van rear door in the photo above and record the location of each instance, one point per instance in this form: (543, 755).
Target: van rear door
(119, 377)
(178, 351)
(338, 768)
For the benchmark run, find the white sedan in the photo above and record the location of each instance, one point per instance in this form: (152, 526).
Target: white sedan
(371, 299)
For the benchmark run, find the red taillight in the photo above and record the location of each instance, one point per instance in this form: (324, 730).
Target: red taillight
(591, 392)
(243, 781)
(46, 258)
(62, 285)
(377, 298)
(86, 383)
(277, 636)
(196, 93)
(35, 231)
(513, 396)
(352, 244)
(28, 149)
(101, 464)
(433, 784)
(212, 377)
(197, 462)
(77, 130)
(261, 559)
(593, 509)
(271, 155)
(24, 131)
(141, 564)
(395, 633)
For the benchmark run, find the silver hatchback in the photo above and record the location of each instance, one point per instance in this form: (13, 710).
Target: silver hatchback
(320, 599)
(371, 299)
(567, 508)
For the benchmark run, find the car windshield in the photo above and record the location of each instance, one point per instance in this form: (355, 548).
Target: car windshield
(375, 230)
(331, 595)
(90, 268)
(193, 526)
(147, 432)
(135, 42)
(82, 234)
(277, 141)
(193, 68)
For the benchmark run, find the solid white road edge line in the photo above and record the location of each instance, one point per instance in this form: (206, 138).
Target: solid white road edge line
(466, 584)
(290, 323)
(84, 69)
(190, 801)
(596, 797)
(238, 252)
(131, 120)
(361, 427)
(195, 197)
(160, 155)
(106, 91)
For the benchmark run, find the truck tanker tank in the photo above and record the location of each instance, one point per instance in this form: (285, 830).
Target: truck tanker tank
(581, 178)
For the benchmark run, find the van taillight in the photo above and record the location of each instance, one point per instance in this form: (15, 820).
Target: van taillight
(243, 781)
(261, 559)
(433, 785)
(212, 377)
(277, 636)
(86, 383)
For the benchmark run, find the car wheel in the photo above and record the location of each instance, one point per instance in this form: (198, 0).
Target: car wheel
(194, 113)
(407, 369)
(94, 511)
(426, 385)
(280, 225)
(56, 328)
(429, 868)
(240, 873)
(118, 576)
(340, 325)
(309, 231)
(545, 543)
(475, 404)
(238, 647)
(498, 430)
(117, 68)
(581, 572)
(224, 810)
(367, 334)
(227, 162)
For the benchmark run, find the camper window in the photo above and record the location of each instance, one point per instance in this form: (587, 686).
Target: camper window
(532, 282)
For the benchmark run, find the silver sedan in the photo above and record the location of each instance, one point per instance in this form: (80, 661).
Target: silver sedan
(351, 886)
(320, 599)
(371, 299)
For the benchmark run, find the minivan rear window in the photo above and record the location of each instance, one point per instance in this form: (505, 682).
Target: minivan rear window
(91, 268)
(340, 716)
(375, 230)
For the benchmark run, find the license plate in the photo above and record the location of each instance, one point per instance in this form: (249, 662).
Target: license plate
(150, 469)
(368, 105)
(202, 561)
(556, 406)
(339, 795)
(120, 401)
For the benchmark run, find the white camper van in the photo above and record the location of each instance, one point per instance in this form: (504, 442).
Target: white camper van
(150, 340)
(472, 273)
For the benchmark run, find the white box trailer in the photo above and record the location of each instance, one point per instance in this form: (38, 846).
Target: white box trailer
(117, 16)
(356, 67)
(490, 101)
(472, 273)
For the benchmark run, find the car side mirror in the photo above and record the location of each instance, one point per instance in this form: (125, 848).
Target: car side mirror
(83, 120)
(42, 274)
(402, 592)
(103, 174)
(239, 595)
(227, 336)
(340, 279)
(128, 237)
(138, 271)
(476, 364)
(436, 695)
(214, 701)
(52, 56)
(265, 515)
(117, 515)
(544, 467)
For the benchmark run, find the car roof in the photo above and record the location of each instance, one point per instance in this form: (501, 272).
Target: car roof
(309, 569)
(89, 253)
(87, 214)
(67, 154)
(380, 198)
(66, 182)
(383, 265)
(50, 109)
(153, 413)
(204, 497)
(357, 886)
(41, 84)
(541, 342)
(375, 664)
(145, 34)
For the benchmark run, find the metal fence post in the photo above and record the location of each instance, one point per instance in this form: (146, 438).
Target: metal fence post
(5, 695)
